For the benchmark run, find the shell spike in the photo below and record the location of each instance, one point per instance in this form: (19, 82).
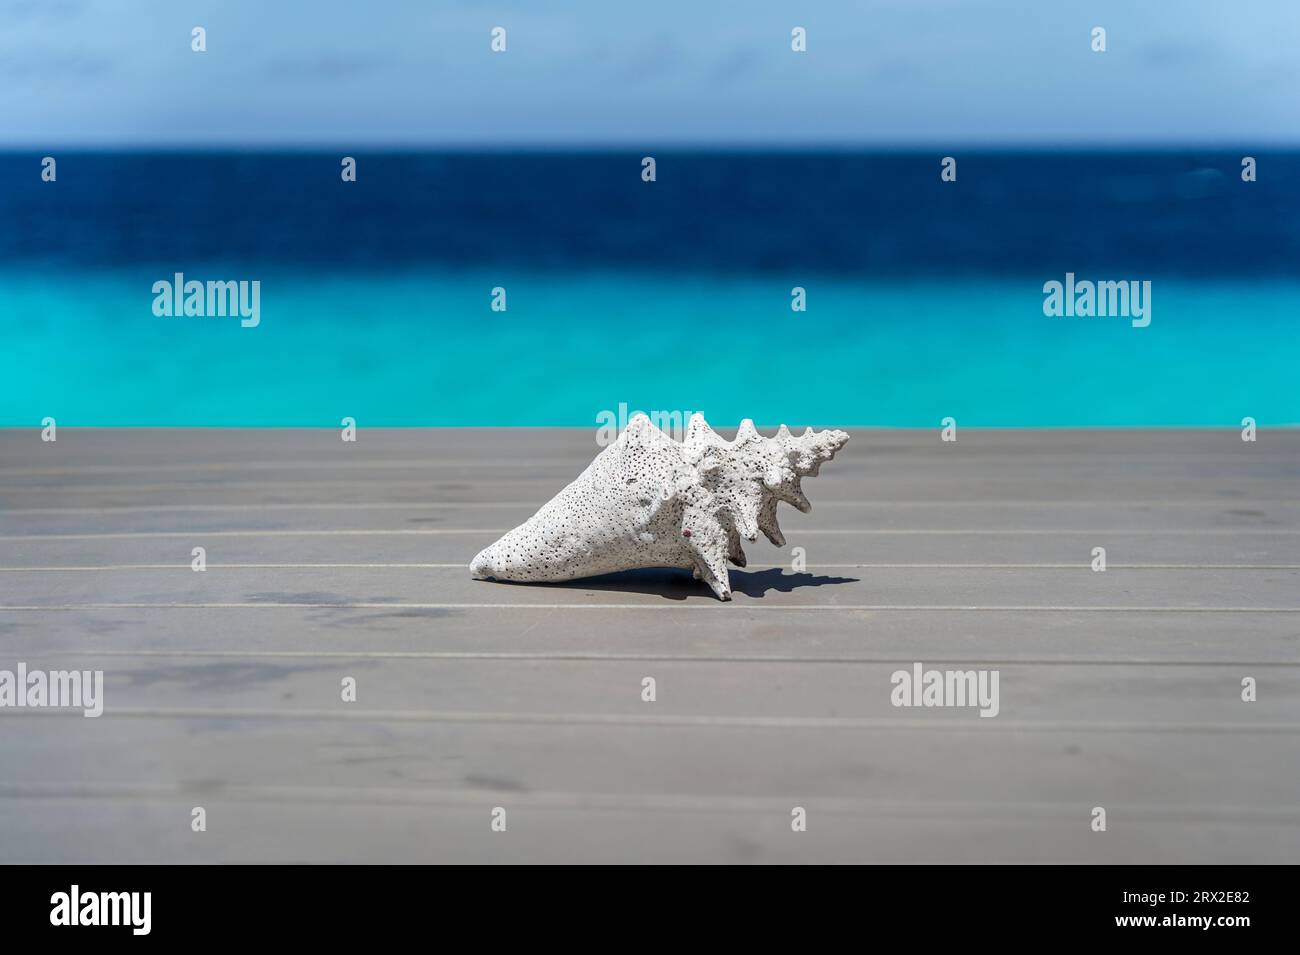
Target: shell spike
(698, 433)
(767, 522)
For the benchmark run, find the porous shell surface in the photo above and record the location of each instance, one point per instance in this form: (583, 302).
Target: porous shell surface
(649, 501)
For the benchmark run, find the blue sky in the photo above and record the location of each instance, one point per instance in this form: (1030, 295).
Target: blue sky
(671, 72)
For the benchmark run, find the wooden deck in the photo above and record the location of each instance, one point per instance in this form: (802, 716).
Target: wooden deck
(327, 560)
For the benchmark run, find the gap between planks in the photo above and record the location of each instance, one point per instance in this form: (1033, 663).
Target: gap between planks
(417, 505)
(972, 724)
(464, 566)
(701, 604)
(537, 656)
(497, 531)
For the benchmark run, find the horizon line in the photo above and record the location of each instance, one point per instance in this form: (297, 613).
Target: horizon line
(677, 146)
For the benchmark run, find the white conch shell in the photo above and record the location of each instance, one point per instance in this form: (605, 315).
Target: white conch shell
(648, 501)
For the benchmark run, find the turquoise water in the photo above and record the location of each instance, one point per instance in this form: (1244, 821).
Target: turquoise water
(924, 298)
(419, 347)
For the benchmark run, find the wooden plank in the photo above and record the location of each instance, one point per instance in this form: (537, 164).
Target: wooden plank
(1122, 637)
(877, 587)
(733, 631)
(890, 549)
(944, 771)
(1100, 519)
(838, 696)
(143, 829)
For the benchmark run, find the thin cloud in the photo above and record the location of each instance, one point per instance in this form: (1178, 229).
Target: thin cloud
(325, 67)
(54, 66)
